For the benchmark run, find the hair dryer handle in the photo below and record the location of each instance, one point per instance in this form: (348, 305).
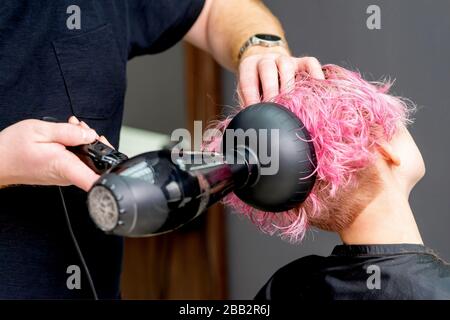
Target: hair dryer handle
(97, 155)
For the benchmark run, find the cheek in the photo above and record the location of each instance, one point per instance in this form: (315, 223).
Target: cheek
(412, 165)
(415, 163)
(421, 166)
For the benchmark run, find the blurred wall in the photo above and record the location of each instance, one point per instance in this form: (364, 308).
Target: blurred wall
(413, 47)
(189, 263)
(155, 98)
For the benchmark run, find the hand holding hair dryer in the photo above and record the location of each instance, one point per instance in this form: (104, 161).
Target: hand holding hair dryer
(151, 194)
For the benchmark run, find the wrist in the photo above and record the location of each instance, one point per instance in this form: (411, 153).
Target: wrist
(262, 43)
(265, 50)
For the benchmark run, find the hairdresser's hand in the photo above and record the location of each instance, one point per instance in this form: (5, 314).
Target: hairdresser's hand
(74, 120)
(265, 72)
(33, 152)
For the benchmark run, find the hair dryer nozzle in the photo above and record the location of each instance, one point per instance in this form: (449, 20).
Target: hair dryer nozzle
(284, 152)
(268, 162)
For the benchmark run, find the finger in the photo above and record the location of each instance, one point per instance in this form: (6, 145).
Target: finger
(74, 120)
(268, 73)
(65, 133)
(105, 141)
(249, 83)
(312, 66)
(71, 169)
(287, 69)
(84, 125)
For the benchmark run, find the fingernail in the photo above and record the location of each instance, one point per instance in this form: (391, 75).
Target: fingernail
(74, 118)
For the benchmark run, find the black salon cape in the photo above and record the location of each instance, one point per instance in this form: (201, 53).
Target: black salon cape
(48, 69)
(379, 272)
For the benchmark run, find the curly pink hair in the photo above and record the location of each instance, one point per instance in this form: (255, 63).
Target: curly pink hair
(346, 117)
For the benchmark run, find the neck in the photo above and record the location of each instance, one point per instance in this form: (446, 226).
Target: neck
(387, 219)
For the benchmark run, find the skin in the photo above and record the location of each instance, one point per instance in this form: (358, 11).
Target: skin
(43, 158)
(221, 29)
(389, 218)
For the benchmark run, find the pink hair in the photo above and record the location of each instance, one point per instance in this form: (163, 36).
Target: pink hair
(346, 117)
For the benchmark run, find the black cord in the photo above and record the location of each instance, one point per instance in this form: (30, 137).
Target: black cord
(77, 246)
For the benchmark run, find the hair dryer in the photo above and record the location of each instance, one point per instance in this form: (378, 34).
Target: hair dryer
(155, 192)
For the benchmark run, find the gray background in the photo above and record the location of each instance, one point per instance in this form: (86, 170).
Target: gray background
(412, 46)
(155, 98)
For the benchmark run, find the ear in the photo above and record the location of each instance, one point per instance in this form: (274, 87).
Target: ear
(388, 153)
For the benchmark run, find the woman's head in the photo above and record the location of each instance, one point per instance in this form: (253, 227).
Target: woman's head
(350, 120)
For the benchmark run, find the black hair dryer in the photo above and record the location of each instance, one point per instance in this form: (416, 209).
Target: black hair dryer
(268, 161)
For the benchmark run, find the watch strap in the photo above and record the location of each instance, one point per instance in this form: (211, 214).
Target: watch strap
(256, 41)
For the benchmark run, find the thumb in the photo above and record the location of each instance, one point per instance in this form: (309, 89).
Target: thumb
(75, 172)
(68, 134)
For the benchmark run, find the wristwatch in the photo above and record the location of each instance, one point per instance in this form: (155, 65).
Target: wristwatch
(261, 39)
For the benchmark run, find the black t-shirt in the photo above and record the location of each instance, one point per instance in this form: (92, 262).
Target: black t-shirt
(59, 60)
(393, 271)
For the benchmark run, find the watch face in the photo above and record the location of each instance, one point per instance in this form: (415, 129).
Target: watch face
(268, 37)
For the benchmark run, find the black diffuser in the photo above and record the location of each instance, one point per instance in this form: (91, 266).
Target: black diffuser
(269, 164)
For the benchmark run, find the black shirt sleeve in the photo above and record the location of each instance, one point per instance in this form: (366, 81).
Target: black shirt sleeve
(156, 25)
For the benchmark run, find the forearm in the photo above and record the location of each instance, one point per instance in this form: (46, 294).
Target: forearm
(232, 22)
